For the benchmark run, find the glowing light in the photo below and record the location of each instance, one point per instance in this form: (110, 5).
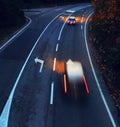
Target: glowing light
(65, 84)
(54, 65)
(57, 66)
(74, 71)
(60, 67)
(63, 18)
(86, 85)
(78, 19)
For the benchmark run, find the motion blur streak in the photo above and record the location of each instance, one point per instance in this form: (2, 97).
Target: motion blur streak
(65, 84)
(86, 85)
(63, 18)
(57, 66)
(80, 19)
(60, 67)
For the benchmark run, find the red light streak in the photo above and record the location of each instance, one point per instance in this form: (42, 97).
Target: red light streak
(86, 85)
(65, 84)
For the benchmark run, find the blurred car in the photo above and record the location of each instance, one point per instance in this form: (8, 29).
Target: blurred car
(71, 20)
(74, 79)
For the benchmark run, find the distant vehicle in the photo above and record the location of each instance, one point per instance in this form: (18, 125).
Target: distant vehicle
(71, 20)
(74, 79)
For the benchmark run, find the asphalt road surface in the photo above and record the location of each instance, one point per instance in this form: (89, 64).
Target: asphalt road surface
(31, 93)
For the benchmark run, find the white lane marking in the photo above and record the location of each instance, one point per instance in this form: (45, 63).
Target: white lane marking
(54, 64)
(16, 34)
(62, 28)
(6, 111)
(57, 47)
(52, 93)
(81, 27)
(41, 62)
(98, 84)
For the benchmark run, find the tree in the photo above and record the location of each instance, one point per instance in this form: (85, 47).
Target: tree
(106, 18)
(10, 14)
(106, 11)
(106, 24)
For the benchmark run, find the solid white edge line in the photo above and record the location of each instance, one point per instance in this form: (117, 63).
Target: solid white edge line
(16, 34)
(57, 47)
(54, 64)
(5, 113)
(63, 28)
(98, 84)
(52, 93)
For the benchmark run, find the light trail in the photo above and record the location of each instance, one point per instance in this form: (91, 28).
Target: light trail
(65, 84)
(86, 85)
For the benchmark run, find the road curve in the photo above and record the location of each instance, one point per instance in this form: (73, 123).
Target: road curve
(39, 100)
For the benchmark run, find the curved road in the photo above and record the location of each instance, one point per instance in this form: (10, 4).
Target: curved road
(38, 99)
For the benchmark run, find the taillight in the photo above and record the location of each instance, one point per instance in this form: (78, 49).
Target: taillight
(68, 21)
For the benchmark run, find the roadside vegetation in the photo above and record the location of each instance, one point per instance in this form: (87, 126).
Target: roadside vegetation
(11, 18)
(104, 36)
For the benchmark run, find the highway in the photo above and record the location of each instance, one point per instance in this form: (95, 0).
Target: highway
(31, 90)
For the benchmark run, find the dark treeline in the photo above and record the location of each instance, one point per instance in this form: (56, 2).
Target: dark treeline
(106, 34)
(105, 37)
(10, 14)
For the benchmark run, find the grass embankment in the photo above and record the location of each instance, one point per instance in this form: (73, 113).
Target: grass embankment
(106, 48)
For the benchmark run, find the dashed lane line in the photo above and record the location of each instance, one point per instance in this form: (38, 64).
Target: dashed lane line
(57, 47)
(6, 111)
(52, 93)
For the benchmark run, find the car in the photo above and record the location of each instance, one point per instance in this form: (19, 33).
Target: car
(71, 20)
(74, 80)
